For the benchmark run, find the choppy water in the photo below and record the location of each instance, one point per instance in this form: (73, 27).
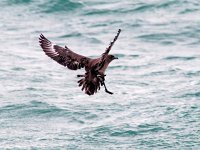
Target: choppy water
(156, 80)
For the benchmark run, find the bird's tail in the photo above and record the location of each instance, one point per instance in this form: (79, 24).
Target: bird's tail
(90, 86)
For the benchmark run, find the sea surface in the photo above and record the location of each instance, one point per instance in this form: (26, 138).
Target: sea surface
(156, 80)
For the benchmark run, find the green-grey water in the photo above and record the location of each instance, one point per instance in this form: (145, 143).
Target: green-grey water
(156, 80)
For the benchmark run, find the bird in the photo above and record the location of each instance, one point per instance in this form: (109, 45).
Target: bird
(95, 68)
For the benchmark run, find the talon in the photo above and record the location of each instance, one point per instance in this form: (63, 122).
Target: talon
(106, 90)
(109, 92)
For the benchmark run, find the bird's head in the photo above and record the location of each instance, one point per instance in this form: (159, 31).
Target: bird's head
(111, 58)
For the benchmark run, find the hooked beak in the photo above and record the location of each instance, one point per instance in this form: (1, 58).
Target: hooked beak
(115, 57)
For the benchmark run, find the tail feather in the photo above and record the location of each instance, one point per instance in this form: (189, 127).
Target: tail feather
(90, 87)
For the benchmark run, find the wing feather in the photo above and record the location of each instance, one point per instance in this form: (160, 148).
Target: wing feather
(63, 56)
(105, 54)
(111, 44)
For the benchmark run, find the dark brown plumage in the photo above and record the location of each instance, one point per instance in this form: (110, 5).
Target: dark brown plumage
(94, 77)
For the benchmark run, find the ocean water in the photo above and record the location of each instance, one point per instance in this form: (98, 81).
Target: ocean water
(156, 80)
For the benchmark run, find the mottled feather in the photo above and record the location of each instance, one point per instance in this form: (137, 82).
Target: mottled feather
(63, 56)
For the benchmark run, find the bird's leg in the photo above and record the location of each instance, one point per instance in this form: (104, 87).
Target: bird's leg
(102, 79)
(106, 90)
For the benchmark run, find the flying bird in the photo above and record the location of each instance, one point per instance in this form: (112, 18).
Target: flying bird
(94, 76)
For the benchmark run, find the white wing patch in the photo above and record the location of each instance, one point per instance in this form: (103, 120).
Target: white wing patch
(48, 47)
(51, 51)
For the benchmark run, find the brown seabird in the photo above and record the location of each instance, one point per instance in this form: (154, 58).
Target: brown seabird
(95, 68)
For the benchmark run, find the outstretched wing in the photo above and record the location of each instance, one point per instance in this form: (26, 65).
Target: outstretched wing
(63, 56)
(105, 54)
(111, 44)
